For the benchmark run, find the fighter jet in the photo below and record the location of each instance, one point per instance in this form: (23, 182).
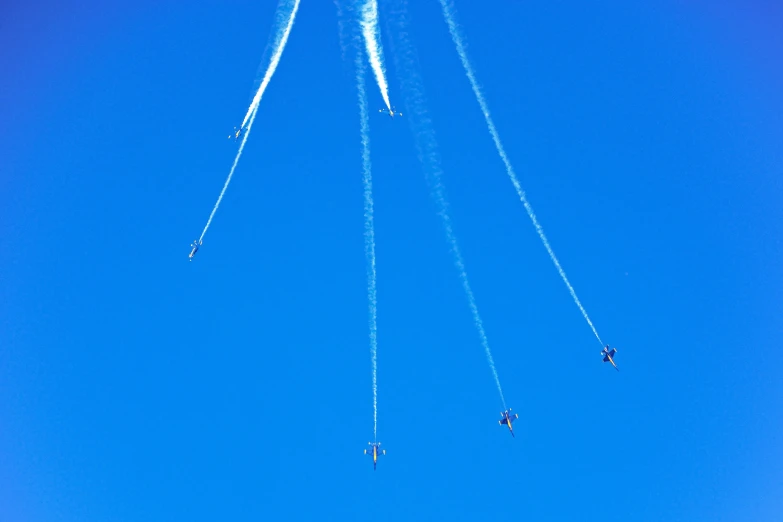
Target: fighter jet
(375, 451)
(609, 356)
(390, 112)
(194, 245)
(508, 419)
(236, 133)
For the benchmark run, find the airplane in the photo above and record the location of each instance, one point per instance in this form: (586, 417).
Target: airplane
(194, 245)
(375, 451)
(237, 133)
(508, 419)
(390, 112)
(609, 356)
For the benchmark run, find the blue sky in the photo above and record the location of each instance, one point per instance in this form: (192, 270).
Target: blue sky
(137, 386)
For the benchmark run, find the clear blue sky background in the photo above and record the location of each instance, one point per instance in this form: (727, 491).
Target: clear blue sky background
(137, 386)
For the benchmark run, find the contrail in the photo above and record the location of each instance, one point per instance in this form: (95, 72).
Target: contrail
(279, 45)
(427, 151)
(369, 235)
(372, 40)
(448, 14)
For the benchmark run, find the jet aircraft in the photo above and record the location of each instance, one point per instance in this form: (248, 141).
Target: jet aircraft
(194, 246)
(508, 419)
(236, 133)
(609, 356)
(375, 451)
(390, 112)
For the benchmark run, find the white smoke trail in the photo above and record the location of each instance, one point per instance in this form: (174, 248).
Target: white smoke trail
(341, 29)
(448, 14)
(228, 179)
(369, 235)
(279, 46)
(427, 151)
(372, 40)
(344, 27)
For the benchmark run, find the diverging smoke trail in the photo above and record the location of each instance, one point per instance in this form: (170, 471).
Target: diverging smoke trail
(448, 14)
(279, 45)
(369, 235)
(372, 41)
(406, 63)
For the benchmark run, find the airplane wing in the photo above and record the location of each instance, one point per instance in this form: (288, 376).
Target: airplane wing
(613, 351)
(503, 421)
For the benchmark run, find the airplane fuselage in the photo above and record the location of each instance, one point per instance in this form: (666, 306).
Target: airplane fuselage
(508, 420)
(375, 452)
(607, 353)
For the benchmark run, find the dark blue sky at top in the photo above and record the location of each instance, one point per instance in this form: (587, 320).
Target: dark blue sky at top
(137, 386)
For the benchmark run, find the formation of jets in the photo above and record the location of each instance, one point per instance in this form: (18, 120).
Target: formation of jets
(390, 112)
(374, 451)
(238, 132)
(507, 418)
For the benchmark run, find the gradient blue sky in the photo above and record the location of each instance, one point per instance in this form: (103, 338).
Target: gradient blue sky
(137, 386)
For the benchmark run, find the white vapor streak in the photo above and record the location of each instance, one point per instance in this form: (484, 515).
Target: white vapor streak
(463, 275)
(427, 150)
(448, 13)
(341, 29)
(372, 39)
(253, 110)
(230, 175)
(369, 236)
(279, 45)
